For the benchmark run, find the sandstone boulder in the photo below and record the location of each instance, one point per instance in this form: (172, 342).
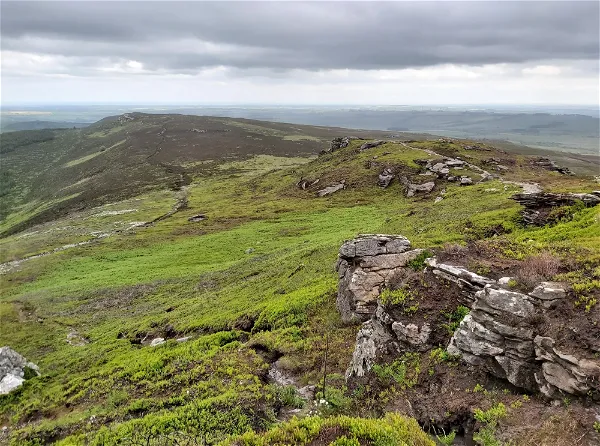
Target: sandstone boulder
(364, 266)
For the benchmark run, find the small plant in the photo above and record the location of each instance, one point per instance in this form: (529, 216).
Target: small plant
(403, 371)
(478, 388)
(446, 439)
(288, 396)
(597, 426)
(489, 419)
(441, 355)
(536, 268)
(401, 297)
(418, 263)
(455, 318)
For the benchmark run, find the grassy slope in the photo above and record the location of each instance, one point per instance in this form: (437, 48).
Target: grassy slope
(201, 279)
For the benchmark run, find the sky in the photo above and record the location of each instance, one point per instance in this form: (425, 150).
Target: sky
(287, 52)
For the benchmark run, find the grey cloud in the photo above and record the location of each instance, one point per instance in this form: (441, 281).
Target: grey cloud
(188, 36)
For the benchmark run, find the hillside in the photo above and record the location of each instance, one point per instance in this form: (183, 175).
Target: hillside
(174, 279)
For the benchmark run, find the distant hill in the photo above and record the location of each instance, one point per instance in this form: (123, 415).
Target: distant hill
(38, 125)
(53, 171)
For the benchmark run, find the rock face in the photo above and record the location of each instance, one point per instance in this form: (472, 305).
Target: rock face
(502, 334)
(364, 266)
(12, 370)
(538, 205)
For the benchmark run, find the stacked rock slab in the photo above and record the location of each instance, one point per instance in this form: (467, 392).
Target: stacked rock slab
(365, 265)
(501, 333)
(12, 369)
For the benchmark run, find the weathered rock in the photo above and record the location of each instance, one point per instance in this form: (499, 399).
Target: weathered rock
(437, 167)
(305, 184)
(455, 163)
(75, 339)
(339, 143)
(417, 337)
(364, 266)
(539, 204)
(459, 275)
(486, 176)
(412, 189)
(548, 200)
(372, 144)
(385, 178)
(549, 293)
(548, 164)
(198, 217)
(331, 189)
(465, 181)
(494, 336)
(13, 369)
(372, 342)
(157, 341)
(561, 373)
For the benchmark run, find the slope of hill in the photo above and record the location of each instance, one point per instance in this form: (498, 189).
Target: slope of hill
(177, 287)
(47, 173)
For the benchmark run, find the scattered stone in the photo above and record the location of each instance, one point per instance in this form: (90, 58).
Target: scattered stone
(157, 341)
(340, 143)
(184, 339)
(372, 144)
(465, 181)
(14, 369)
(249, 251)
(438, 199)
(385, 178)
(198, 217)
(305, 184)
(504, 280)
(75, 339)
(455, 163)
(486, 176)
(412, 189)
(331, 189)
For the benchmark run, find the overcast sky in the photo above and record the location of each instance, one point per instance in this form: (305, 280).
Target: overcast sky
(414, 52)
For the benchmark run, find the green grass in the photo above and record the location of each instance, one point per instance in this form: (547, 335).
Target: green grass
(258, 272)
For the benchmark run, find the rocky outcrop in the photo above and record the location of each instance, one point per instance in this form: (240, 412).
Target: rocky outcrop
(340, 143)
(503, 333)
(385, 178)
(501, 336)
(365, 265)
(547, 199)
(548, 164)
(537, 206)
(371, 144)
(412, 189)
(14, 370)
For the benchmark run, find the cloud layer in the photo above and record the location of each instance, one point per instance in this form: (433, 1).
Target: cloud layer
(275, 40)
